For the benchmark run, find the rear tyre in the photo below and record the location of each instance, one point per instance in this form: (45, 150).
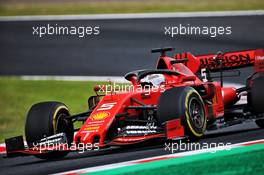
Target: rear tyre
(45, 119)
(260, 123)
(184, 103)
(256, 96)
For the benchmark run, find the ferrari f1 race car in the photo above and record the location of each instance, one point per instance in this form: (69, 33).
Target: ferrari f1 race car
(176, 100)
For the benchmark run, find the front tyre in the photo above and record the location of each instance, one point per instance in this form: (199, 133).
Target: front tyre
(45, 119)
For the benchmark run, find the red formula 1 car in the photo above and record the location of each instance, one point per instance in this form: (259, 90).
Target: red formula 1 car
(177, 99)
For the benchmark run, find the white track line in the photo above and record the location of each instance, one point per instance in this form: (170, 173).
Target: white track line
(168, 156)
(75, 78)
(133, 16)
(117, 79)
(90, 78)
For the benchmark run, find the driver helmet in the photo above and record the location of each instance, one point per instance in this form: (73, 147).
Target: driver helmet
(154, 79)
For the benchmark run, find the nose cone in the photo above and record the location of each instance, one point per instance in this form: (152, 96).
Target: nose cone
(94, 128)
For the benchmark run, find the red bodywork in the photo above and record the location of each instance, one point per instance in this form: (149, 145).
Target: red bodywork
(99, 123)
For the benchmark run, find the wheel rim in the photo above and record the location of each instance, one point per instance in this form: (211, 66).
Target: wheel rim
(196, 113)
(63, 125)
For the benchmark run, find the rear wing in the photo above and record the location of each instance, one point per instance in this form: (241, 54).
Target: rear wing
(259, 61)
(229, 60)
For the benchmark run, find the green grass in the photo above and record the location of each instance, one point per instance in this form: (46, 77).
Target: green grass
(236, 161)
(117, 6)
(17, 96)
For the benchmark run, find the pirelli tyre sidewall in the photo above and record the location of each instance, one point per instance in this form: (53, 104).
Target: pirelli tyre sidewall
(177, 103)
(193, 103)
